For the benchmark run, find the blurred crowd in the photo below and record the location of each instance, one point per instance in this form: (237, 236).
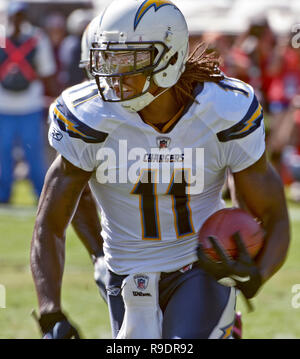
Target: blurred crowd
(269, 63)
(41, 61)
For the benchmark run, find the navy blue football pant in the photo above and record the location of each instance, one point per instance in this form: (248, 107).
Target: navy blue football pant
(193, 304)
(28, 131)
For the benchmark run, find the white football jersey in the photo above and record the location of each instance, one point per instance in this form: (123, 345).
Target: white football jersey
(156, 189)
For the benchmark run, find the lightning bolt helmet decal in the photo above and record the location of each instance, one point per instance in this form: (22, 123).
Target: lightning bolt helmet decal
(146, 5)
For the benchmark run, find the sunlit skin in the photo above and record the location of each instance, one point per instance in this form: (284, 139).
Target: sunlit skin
(161, 110)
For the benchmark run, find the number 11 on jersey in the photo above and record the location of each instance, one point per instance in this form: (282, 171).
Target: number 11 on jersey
(148, 202)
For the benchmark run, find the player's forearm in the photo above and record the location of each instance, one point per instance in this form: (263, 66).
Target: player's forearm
(272, 257)
(262, 191)
(274, 216)
(86, 223)
(62, 189)
(47, 264)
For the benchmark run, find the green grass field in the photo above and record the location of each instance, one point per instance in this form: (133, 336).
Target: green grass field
(274, 316)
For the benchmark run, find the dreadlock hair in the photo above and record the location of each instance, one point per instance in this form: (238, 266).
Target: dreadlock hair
(203, 65)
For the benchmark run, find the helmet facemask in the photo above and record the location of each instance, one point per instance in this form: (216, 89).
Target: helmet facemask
(111, 62)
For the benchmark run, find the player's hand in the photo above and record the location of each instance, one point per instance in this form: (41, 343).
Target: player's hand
(241, 273)
(57, 326)
(100, 276)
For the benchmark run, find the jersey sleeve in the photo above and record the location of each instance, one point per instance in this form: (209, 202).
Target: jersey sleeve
(244, 141)
(72, 138)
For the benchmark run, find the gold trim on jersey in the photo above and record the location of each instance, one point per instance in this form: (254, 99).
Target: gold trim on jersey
(187, 203)
(249, 122)
(88, 99)
(143, 170)
(70, 125)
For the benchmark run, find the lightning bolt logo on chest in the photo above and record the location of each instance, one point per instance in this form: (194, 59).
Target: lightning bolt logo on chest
(146, 5)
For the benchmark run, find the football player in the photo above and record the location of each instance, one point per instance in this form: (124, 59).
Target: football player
(88, 38)
(154, 139)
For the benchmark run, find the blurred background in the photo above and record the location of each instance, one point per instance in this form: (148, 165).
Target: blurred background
(258, 43)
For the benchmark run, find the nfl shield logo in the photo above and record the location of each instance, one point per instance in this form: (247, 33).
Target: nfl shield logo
(163, 142)
(141, 281)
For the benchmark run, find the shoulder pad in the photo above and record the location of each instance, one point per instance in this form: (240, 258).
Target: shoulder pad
(248, 124)
(71, 124)
(237, 109)
(80, 94)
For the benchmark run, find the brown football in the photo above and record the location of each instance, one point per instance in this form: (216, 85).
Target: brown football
(223, 224)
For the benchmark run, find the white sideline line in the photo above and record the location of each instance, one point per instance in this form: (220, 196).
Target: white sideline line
(15, 211)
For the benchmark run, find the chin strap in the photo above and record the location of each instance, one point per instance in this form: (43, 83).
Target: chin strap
(138, 103)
